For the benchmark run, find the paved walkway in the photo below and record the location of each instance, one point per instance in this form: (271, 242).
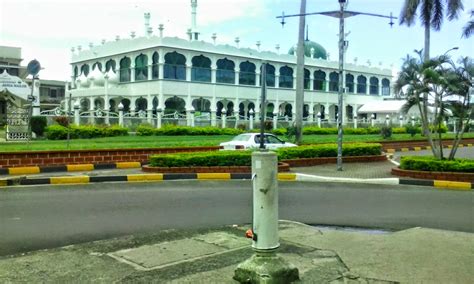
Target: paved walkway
(350, 170)
(210, 256)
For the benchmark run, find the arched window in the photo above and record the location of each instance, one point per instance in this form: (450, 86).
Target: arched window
(286, 77)
(361, 84)
(350, 83)
(306, 79)
(333, 82)
(125, 69)
(175, 66)
(154, 66)
(97, 65)
(385, 87)
(85, 70)
(141, 67)
(247, 73)
(225, 71)
(110, 65)
(319, 80)
(201, 70)
(270, 70)
(374, 86)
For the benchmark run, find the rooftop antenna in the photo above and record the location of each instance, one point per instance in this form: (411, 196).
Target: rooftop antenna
(282, 19)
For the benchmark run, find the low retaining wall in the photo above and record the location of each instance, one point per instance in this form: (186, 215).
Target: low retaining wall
(307, 162)
(57, 158)
(282, 167)
(451, 176)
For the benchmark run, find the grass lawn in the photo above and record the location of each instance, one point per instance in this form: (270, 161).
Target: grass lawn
(177, 141)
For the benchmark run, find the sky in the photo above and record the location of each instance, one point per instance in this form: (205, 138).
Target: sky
(47, 29)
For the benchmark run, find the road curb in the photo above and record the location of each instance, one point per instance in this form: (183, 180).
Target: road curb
(68, 168)
(420, 148)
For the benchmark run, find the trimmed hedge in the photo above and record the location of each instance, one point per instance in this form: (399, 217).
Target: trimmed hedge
(244, 158)
(58, 132)
(203, 159)
(38, 124)
(313, 130)
(146, 130)
(432, 164)
(329, 150)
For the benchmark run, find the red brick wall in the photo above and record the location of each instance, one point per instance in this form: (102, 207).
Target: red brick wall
(55, 158)
(466, 177)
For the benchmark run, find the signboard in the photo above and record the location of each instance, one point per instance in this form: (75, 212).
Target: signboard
(14, 86)
(33, 67)
(18, 120)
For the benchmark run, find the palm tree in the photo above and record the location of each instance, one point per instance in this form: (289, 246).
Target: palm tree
(419, 80)
(431, 15)
(468, 29)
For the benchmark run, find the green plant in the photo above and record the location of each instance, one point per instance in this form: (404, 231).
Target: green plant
(204, 159)
(38, 125)
(412, 130)
(62, 120)
(330, 150)
(279, 131)
(56, 132)
(290, 133)
(386, 132)
(268, 125)
(432, 164)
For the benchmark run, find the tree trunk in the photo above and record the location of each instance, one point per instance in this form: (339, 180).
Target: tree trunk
(426, 52)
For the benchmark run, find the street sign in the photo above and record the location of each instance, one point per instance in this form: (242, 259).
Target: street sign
(33, 67)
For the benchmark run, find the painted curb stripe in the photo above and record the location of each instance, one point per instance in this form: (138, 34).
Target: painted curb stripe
(34, 181)
(405, 149)
(179, 176)
(210, 176)
(144, 177)
(286, 176)
(68, 180)
(3, 182)
(80, 167)
(51, 169)
(391, 151)
(24, 170)
(241, 176)
(416, 182)
(417, 148)
(128, 165)
(107, 178)
(452, 184)
(105, 166)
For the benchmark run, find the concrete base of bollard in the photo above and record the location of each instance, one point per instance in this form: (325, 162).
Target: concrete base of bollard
(266, 267)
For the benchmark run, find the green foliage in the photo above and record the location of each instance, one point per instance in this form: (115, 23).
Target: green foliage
(171, 130)
(351, 131)
(58, 132)
(330, 150)
(268, 125)
(38, 125)
(279, 131)
(399, 130)
(386, 132)
(432, 164)
(412, 130)
(203, 159)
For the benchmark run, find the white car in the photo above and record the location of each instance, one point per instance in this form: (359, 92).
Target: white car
(252, 141)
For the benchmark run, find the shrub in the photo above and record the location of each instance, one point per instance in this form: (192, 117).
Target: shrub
(432, 164)
(204, 159)
(171, 130)
(386, 132)
(62, 120)
(330, 150)
(412, 130)
(399, 130)
(145, 130)
(38, 125)
(58, 132)
(268, 125)
(279, 131)
(241, 127)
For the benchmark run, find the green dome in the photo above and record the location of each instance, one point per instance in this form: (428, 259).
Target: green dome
(319, 51)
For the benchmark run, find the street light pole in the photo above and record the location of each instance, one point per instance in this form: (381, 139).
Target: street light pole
(341, 86)
(341, 14)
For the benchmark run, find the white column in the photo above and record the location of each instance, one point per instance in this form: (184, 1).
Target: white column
(213, 73)
(77, 120)
(294, 82)
(132, 70)
(91, 110)
(311, 81)
(36, 95)
(319, 119)
(277, 79)
(223, 117)
(275, 120)
(106, 101)
(120, 111)
(188, 72)
(401, 120)
(159, 113)
(237, 72)
(257, 78)
(133, 106)
(161, 63)
(355, 121)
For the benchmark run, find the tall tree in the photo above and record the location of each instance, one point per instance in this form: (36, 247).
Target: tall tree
(468, 29)
(432, 13)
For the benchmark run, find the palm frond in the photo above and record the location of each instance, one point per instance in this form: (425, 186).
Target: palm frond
(454, 8)
(408, 13)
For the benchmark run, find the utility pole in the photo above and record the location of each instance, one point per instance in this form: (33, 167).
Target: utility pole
(300, 76)
(341, 14)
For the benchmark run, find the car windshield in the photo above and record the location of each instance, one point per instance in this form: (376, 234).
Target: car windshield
(242, 137)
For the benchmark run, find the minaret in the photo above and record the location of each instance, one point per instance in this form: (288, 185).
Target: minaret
(146, 17)
(194, 32)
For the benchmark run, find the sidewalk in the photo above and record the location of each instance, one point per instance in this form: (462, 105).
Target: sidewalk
(211, 256)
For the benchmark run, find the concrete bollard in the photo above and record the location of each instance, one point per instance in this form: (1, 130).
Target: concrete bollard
(265, 266)
(77, 119)
(251, 121)
(355, 121)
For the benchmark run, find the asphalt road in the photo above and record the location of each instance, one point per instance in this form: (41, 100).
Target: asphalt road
(50, 216)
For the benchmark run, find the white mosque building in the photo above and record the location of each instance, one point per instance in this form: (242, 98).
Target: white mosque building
(153, 75)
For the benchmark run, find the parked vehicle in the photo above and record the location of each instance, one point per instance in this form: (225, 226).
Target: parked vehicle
(252, 141)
